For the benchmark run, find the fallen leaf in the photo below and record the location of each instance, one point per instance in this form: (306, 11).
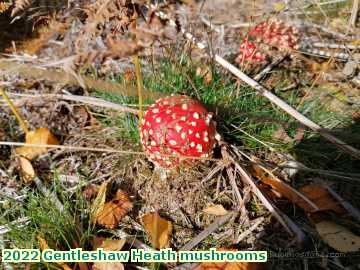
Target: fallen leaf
(114, 211)
(338, 237)
(158, 230)
(284, 189)
(322, 198)
(99, 202)
(111, 245)
(26, 169)
(38, 136)
(216, 210)
(43, 245)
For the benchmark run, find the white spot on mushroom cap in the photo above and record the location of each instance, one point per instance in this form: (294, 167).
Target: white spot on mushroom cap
(168, 111)
(158, 120)
(192, 144)
(197, 135)
(206, 139)
(218, 137)
(183, 135)
(153, 143)
(199, 147)
(196, 115)
(184, 106)
(178, 128)
(156, 110)
(183, 118)
(172, 142)
(151, 132)
(193, 124)
(190, 131)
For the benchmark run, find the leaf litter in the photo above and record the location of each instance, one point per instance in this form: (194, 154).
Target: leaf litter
(183, 194)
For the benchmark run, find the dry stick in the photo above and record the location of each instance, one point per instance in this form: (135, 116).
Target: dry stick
(83, 99)
(243, 235)
(351, 209)
(206, 232)
(354, 13)
(269, 95)
(288, 224)
(31, 71)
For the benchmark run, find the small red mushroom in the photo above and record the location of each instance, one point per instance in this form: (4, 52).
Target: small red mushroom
(248, 51)
(177, 127)
(276, 33)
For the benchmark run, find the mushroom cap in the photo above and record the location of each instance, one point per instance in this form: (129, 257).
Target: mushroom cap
(276, 33)
(177, 127)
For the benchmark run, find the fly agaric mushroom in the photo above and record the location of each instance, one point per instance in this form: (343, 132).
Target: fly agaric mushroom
(176, 128)
(248, 51)
(276, 33)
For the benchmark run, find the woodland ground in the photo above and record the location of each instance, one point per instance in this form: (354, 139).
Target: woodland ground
(80, 39)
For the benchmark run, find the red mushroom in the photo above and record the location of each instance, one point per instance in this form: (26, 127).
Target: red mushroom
(276, 33)
(175, 128)
(248, 51)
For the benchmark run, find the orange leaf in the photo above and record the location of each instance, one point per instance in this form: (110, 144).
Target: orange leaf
(114, 211)
(158, 229)
(322, 198)
(111, 245)
(38, 136)
(43, 245)
(285, 190)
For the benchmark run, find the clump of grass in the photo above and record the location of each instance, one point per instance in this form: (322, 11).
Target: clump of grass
(62, 230)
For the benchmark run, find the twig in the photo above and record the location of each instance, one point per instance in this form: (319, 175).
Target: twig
(207, 231)
(351, 209)
(243, 235)
(288, 224)
(269, 95)
(83, 99)
(354, 13)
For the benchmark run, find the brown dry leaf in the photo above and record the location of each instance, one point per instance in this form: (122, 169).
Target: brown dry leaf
(285, 190)
(26, 169)
(216, 210)
(38, 136)
(322, 198)
(338, 237)
(43, 245)
(99, 202)
(158, 230)
(111, 245)
(114, 211)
